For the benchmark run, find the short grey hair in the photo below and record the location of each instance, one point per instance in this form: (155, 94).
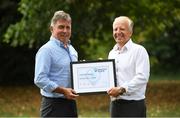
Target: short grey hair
(60, 15)
(130, 22)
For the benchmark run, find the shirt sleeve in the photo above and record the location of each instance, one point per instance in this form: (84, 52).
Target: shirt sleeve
(142, 70)
(42, 69)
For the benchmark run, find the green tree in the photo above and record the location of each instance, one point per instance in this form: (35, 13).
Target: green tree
(156, 26)
(8, 15)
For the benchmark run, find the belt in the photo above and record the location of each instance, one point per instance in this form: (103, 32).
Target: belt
(127, 101)
(59, 99)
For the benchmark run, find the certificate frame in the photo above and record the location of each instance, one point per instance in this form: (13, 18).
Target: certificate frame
(95, 76)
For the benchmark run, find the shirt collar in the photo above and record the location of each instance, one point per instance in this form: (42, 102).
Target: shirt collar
(127, 46)
(58, 42)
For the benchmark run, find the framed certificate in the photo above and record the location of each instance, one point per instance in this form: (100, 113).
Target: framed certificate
(93, 76)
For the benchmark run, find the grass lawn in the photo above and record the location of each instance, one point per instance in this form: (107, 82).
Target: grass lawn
(163, 100)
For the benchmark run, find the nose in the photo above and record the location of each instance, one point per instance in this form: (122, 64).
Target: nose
(118, 30)
(65, 30)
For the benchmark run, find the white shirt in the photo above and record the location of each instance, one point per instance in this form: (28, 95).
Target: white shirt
(132, 70)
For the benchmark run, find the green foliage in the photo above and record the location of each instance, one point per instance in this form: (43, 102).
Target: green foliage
(163, 37)
(157, 26)
(8, 15)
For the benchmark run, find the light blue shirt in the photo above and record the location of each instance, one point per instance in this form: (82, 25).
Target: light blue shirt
(52, 67)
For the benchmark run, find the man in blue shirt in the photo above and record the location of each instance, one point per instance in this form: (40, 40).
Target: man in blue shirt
(52, 70)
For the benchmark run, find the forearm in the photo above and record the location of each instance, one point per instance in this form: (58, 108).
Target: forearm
(137, 83)
(69, 93)
(44, 83)
(60, 90)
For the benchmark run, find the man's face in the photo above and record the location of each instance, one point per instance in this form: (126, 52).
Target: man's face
(62, 30)
(121, 31)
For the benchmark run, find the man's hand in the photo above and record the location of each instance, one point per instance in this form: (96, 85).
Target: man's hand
(116, 91)
(69, 93)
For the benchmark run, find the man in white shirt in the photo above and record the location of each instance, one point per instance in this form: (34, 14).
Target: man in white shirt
(132, 71)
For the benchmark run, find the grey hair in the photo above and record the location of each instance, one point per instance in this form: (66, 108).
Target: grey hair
(130, 22)
(60, 15)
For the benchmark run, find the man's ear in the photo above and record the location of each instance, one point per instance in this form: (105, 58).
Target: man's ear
(131, 33)
(51, 28)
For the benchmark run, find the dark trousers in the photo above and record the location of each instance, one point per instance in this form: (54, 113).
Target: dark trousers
(128, 108)
(58, 107)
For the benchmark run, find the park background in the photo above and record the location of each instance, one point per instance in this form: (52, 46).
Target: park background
(24, 27)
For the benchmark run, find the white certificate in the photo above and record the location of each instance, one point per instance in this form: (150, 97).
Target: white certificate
(93, 76)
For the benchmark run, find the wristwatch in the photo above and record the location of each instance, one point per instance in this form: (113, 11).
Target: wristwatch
(122, 90)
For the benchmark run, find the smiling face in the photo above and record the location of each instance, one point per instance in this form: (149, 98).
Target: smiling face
(62, 30)
(121, 30)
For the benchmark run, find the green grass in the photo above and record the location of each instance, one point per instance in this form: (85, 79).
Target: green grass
(163, 100)
(164, 110)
